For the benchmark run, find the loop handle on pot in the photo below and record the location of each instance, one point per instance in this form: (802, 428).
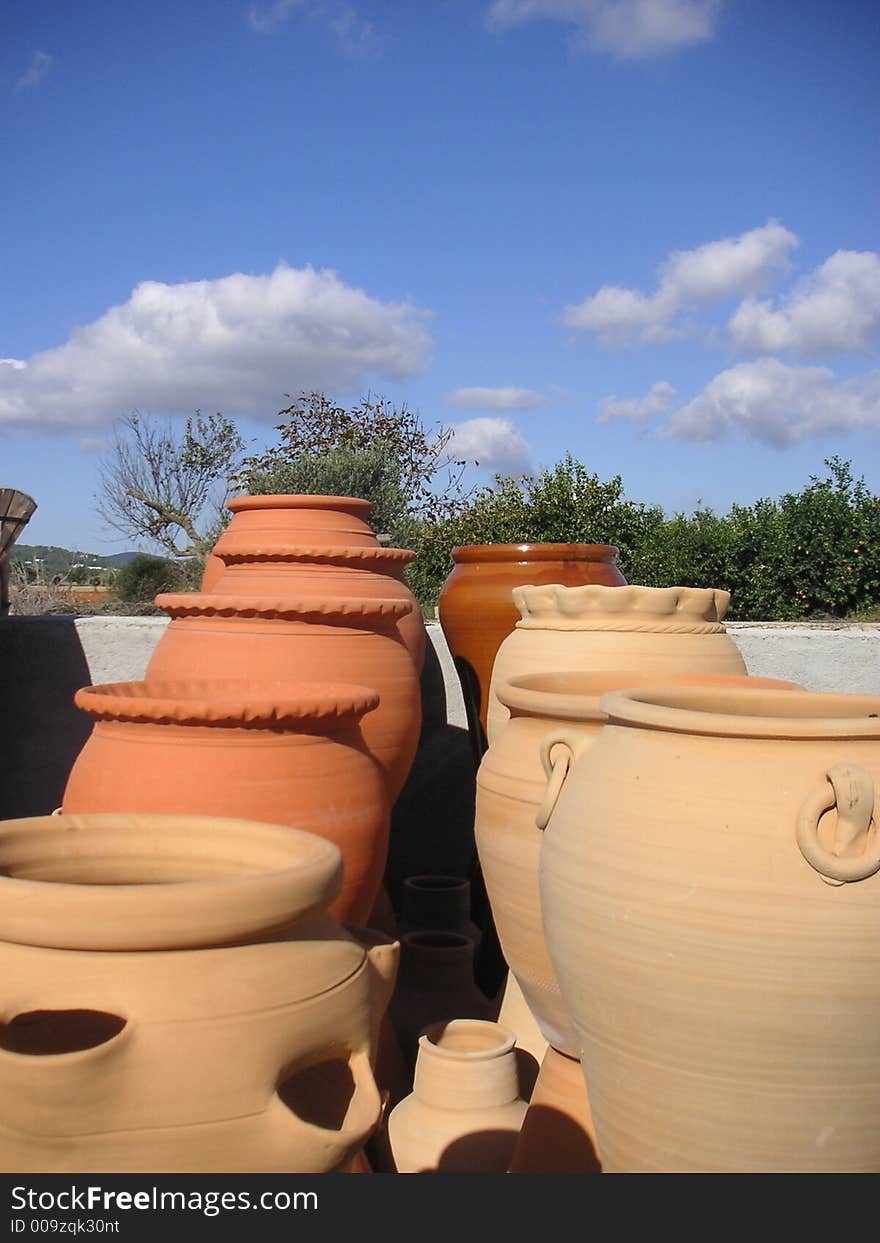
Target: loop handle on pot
(556, 769)
(850, 789)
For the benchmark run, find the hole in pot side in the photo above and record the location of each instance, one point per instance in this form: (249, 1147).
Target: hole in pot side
(39, 1033)
(320, 1094)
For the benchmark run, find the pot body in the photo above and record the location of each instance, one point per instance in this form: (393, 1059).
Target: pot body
(311, 547)
(123, 1053)
(268, 641)
(465, 1111)
(512, 789)
(311, 774)
(477, 612)
(725, 996)
(592, 629)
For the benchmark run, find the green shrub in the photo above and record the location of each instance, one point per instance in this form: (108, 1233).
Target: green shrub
(144, 577)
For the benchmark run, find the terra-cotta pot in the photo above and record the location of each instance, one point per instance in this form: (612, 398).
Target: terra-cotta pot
(710, 883)
(285, 754)
(476, 608)
(175, 998)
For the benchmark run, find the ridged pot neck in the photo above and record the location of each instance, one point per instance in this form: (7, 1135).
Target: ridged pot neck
(576, 696)
(379, 559)
(675, 610)
(233, 704)
(466, 1064)
(747, 713)
(296, 500)
(129, 882)
(356, 614)
(469, 554)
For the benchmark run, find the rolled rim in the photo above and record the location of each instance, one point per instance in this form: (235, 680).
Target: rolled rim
(467, 554)
(575, 695)
(233, 703)
(471, 1040)
(745, 712)
(299, 500)
(124, 881)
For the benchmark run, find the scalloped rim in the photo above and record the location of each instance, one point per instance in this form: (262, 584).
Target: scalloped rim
(196, 603)
(230, 703)
(594, 602)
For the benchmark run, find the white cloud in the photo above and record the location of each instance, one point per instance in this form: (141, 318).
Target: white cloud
(628, 29)
(503, 398)
(356, 36)
(656, 401)
(236, 344)
(41, 63)
(711, 273)
(776, 404)
(494, 444)
(836, 308)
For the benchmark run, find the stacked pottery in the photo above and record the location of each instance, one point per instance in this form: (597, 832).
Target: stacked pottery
(435, 902)
(465, 1110)
(312, 547)
(285, 753)
(476, 609)
(596, 629)
(712, 925)
(176, 998)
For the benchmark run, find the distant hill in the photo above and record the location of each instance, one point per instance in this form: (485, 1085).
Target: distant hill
(59, 560)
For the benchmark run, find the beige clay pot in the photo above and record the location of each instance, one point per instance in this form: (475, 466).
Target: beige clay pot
(596, 629)
(175, 998)
(465, 1110)
(710, 881)
(513, 804)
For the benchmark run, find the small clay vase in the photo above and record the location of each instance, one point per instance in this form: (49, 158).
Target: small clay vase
(465, 1110)
(283, 546)
(175, 998)
(285, 754)
(476, 608)
(710, 886)
(438, 903)
(271, 639)
(435, 983)
(594, 629)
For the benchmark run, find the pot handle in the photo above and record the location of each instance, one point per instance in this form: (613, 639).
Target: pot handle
(855, 855)
(556, 770)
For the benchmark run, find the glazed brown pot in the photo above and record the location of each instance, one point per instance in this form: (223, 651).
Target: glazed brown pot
(713, 928)
(175, 998)
(477, 612)
(513, 805)
(312, 547)
(271, 639)
(289, 754)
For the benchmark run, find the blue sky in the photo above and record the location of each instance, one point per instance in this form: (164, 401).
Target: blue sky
(643, 231)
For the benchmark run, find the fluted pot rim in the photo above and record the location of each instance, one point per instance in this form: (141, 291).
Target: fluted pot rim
(345, 609)
(236, 703)
(746, 712)
(528, 551)
(575, 695)
(627, 607)
(298, 500)
(135, 881)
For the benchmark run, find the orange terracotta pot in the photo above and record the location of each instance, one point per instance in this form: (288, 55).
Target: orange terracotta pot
(593, 629)
(313, 521)
(513, 805)
(288, 754)
(283, 546)
(268, 639)
(713, 927)
(477, 612)
(557, 1135)
(175, 998)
